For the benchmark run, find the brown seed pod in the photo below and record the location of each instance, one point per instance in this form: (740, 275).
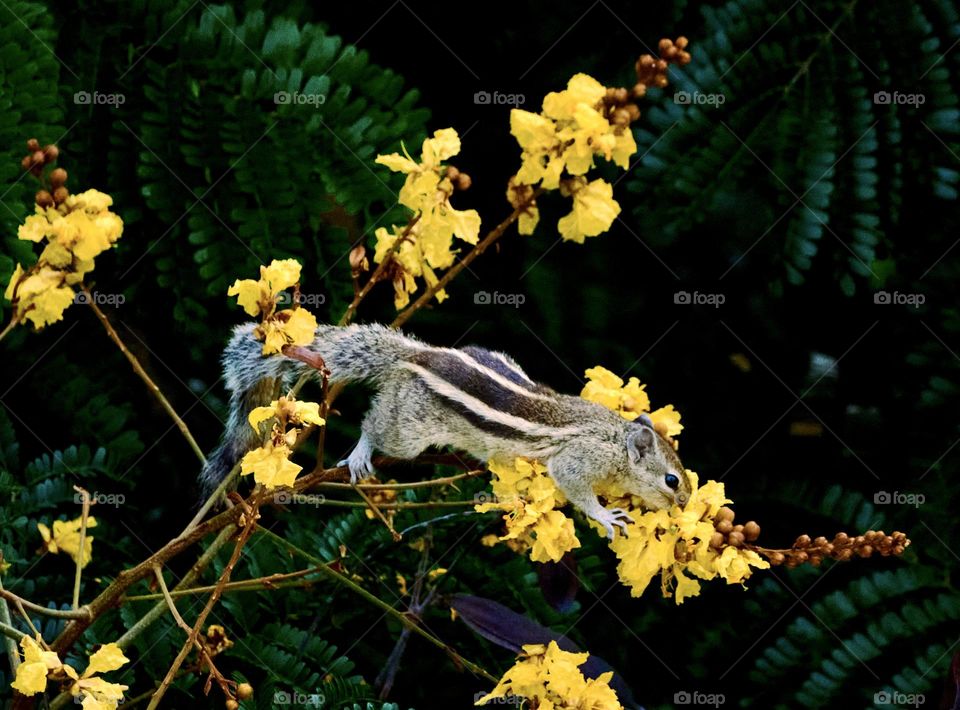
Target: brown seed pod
(776, 558)
(231, 704)
(801, 542)
(44, 198)
(463, 181)
(27, 162)
(726, 513)
(244, 691)
(37, 157)
(717, 540)
(751, 531)
(51, 152)
(58, 176)
(735, 539)
(452, 172)
(60, 195)
(682, 42)
(724, 526)
(33, 145)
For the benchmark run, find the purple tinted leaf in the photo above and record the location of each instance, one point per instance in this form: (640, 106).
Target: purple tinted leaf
(559, 582)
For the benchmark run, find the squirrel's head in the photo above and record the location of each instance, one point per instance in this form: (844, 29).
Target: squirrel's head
(659, 477)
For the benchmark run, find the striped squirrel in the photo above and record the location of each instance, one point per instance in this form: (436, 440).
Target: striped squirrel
(471, 399)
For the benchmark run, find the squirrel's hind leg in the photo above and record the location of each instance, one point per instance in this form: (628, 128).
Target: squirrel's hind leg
(359, 461)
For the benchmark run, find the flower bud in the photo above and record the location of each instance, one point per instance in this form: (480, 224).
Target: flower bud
(44, 199)
(58, 176)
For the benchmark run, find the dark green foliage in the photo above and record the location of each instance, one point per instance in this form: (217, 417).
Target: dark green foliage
(213, 176)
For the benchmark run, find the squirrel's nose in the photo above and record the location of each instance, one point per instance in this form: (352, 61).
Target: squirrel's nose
(682, 498)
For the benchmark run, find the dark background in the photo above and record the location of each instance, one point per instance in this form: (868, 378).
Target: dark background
(799, 200)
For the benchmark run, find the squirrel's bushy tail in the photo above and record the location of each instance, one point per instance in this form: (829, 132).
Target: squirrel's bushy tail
(352, 353)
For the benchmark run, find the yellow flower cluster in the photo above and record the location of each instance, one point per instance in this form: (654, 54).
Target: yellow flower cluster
(76, 231)
(567, 136)
(426, 243)
(550, 678)
(270, 464)
(293, 326)
(671, 542)
(88, 689)
(65, 537)
(530, 497)
(629, 400)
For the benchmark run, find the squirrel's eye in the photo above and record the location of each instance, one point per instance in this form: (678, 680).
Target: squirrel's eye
(671, 481)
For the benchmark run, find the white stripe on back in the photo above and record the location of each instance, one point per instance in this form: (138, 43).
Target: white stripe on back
(497, 377)
(445, 389)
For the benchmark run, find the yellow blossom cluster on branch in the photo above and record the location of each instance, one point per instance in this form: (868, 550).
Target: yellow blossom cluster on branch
(291, 326)
(559, 147)
(550, 679)
(629, 400)
(270, 464)
(677, 541)
(65, 537)
(88, 689)
(75, 231)
(425, 244)
(531, 498)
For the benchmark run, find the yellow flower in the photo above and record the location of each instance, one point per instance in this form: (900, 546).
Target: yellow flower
(551, 677)
(270, 465)
(256, 297)
(604, 387)
(666, 420)
(594, 210)
(94, 693)
(428, 239)
(530, 498)
(32, 673)
(672, 542)
(66, 538)
(78, 230)
(296, 326)
(287, 410)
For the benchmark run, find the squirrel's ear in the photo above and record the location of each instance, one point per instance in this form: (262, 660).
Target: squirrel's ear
(645, 419)
(639, 442)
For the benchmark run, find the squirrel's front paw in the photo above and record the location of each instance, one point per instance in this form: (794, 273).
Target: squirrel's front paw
(615, 516)
(359, 462)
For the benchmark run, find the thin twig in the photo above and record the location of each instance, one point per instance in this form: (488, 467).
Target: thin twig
(13, 655)
(250, 513)
(142, 374)
(11, 633)
(85, 500)
(81, 613)
(379, 603)
(379, 513)
(468, 258)
(9, 327)
(270, 581)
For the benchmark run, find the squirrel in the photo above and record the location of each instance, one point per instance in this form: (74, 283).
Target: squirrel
(472, 399)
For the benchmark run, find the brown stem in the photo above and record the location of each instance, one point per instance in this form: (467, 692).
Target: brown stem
(251, 515)
(477, 250)
(270, 581)
(85, 498)
(142, 374)
(9, 327)
(81, 613)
